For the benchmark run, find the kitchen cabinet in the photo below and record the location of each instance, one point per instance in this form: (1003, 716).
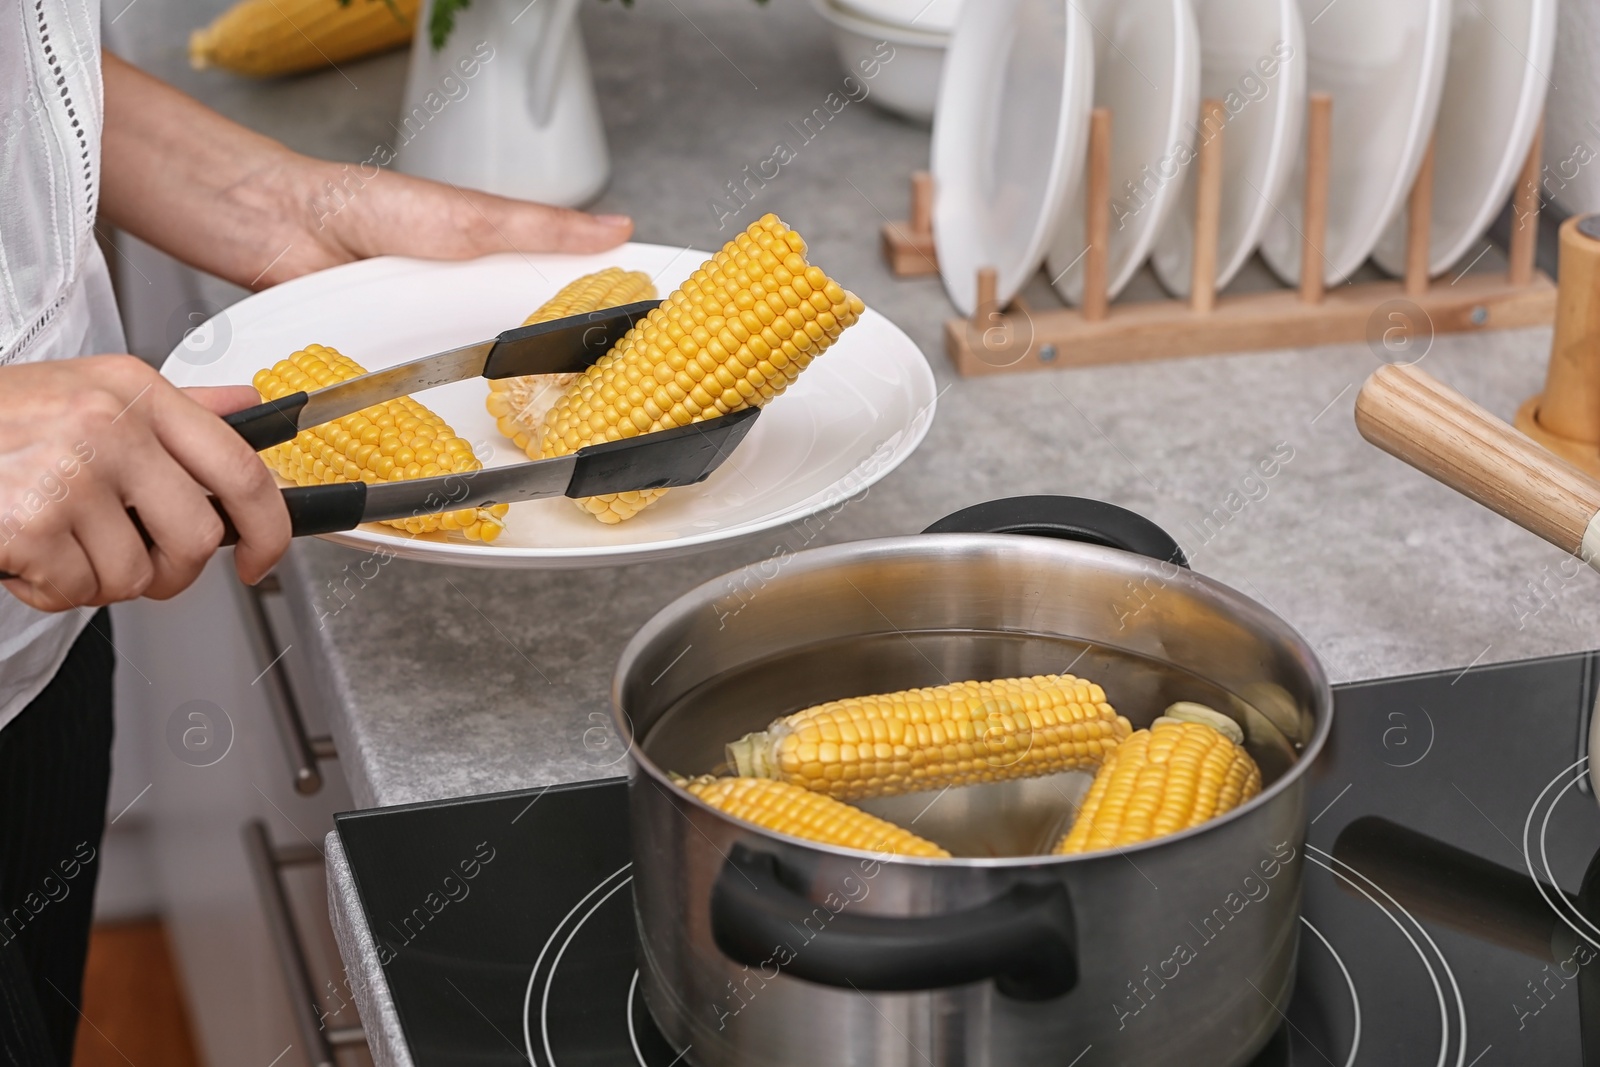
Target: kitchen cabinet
(193, 698)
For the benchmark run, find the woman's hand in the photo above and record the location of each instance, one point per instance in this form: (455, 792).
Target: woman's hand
(84, 440)
(242, 206)
(343, 215)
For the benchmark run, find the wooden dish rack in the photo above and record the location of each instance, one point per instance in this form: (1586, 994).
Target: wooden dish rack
(1023, 338)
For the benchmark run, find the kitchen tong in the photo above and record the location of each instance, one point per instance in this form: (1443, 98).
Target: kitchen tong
(659, 460)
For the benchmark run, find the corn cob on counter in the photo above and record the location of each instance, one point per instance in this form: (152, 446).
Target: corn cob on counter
(930, 738)
(387, 442)
(735, 335)
(519, 404)
(1188, 768)
(270, 37)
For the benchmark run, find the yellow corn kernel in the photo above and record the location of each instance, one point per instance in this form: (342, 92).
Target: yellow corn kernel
(270, 37)
(735, 335)
(519, 404)
(384, 443)
(919, 739)
(788, 809)
(1187, 768)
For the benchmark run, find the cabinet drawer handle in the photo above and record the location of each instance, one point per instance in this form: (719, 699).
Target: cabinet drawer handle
(303, 750)
(265, 864)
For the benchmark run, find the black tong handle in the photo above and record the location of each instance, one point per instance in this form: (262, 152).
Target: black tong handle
(313, 509)
(683, 456)
(271, 423)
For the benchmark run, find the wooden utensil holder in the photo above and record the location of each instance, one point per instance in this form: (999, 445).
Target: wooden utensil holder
(908, 246)
(1021, 338)
(1565, 418)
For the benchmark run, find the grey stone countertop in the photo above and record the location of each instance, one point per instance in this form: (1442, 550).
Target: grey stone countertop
(447, 682)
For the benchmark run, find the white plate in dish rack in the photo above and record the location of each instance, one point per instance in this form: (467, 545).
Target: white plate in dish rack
(1253, 60)
(1008, 139)
(850, 419)
(1501, 58)
(1383, 62)
(1147, 73)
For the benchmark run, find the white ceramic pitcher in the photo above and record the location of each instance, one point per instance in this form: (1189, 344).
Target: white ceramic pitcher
(507, 105)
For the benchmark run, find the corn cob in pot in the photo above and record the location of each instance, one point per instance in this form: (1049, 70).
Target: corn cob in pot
(1189, 767)
(947, 735)
(789, 809)
(391, 441)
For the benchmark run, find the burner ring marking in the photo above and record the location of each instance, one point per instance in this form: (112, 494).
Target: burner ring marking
(1444, 1013)
(1355, 1000)
(527, 997)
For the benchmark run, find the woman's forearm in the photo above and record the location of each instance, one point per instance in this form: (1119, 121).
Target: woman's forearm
(194, 184)
(227, 200)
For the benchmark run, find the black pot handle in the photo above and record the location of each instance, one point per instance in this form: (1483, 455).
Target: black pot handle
(1025, 939)
(1071, 518)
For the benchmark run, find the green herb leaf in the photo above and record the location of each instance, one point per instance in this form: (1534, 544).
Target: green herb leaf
(443, 20)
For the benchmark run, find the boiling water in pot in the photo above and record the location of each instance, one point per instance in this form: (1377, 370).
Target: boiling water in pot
(1009, 818)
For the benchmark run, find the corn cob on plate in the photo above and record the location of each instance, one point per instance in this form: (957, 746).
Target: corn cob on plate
(519, 405)
(850, 419)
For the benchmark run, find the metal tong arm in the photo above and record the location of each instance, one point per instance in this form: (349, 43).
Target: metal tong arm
(560, 346)
(661, 460)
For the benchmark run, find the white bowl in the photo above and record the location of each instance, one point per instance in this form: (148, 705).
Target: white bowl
(935, 16)
(898, 67)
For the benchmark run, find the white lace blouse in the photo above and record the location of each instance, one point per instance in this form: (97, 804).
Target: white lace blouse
(55, 292)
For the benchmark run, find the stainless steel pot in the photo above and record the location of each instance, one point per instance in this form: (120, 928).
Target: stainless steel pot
(761, 950)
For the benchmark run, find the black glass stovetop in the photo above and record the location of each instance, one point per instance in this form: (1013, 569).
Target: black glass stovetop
(1451, 916)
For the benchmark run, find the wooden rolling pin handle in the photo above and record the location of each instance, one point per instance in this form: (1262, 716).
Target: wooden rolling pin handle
(1413, 417)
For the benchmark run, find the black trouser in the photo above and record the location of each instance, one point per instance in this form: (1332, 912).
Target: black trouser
(55, 769)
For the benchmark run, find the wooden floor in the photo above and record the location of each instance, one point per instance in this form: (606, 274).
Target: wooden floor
(133, 1012)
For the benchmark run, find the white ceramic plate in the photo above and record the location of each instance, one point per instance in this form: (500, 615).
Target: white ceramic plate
(1252, 59)
(1147, 71)
(1008, 139)
(935, 16)
(1383, 62)
(1501, 58)
(851, 418)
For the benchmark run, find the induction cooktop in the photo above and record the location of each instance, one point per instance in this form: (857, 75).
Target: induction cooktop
(1451, 913)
